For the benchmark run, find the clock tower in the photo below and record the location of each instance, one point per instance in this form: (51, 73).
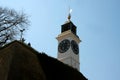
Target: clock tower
(68, 44)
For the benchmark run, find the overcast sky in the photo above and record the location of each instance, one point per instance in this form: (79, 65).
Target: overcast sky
(98, 26)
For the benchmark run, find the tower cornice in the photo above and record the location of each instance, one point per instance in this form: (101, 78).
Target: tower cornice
(67, 34)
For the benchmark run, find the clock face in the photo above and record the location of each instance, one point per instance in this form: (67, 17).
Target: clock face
(75, 47)
(64, 46)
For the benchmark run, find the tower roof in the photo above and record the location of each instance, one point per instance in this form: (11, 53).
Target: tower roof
(68, 25)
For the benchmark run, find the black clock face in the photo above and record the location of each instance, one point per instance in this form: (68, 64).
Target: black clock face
(75, 47)
(64, 46)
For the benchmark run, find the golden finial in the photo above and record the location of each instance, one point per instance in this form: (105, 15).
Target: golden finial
(69, 15)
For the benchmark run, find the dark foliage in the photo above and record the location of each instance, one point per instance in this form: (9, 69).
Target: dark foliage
(11, 22)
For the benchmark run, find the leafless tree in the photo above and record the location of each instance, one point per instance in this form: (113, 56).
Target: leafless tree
(11, 22)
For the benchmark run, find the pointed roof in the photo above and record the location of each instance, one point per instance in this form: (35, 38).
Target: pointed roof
(18, 61)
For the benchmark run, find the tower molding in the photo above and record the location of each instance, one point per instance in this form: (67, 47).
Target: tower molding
(68, 34)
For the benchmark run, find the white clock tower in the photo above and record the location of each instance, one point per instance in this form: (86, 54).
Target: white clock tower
(68, 44)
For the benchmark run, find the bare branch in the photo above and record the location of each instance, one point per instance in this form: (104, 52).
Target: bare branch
(10, 23)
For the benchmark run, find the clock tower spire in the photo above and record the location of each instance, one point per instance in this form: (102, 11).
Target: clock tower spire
(68, 44)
